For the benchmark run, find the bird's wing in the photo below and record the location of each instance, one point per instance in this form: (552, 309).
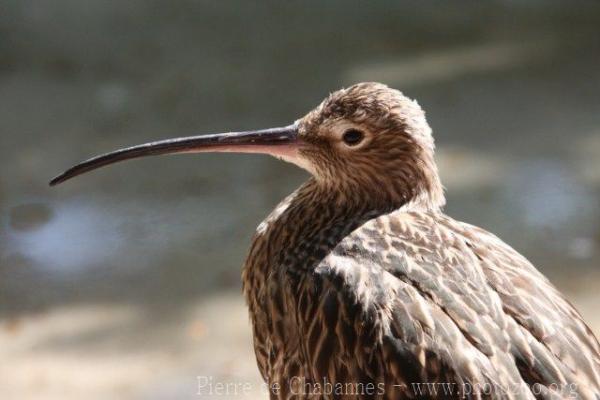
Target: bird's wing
(424, 303)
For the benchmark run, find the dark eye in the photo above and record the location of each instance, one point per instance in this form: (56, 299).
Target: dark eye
(352, 137)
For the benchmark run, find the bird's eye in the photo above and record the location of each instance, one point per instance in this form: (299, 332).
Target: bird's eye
(353, 137)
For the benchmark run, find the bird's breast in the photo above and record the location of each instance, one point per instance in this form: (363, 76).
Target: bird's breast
(279, 272)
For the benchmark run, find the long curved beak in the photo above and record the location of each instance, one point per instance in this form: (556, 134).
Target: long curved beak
(278, 142)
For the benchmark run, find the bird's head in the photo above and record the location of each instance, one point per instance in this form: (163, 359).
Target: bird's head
(371, 139)
(364, 141)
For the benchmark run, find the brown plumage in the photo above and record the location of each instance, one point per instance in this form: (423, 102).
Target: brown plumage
(359, 286)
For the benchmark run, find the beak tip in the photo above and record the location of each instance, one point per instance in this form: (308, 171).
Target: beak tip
(56, 180)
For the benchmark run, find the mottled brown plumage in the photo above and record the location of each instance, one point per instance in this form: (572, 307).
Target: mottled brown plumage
(359, 286)
(359, 277)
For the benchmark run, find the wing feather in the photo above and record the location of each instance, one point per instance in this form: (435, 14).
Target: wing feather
(443, 301)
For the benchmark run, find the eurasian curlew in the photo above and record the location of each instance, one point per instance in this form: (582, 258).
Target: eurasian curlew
(359, 286)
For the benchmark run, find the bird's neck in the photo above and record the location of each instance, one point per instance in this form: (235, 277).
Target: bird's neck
(308, 224)
(316, 205)
(302, 230)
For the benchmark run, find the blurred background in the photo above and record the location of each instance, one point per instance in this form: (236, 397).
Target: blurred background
(125, 283)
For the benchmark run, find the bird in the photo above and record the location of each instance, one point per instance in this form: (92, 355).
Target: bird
(359, 286)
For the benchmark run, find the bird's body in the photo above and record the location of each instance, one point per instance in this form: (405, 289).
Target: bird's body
(360, 287)
(407, 304)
